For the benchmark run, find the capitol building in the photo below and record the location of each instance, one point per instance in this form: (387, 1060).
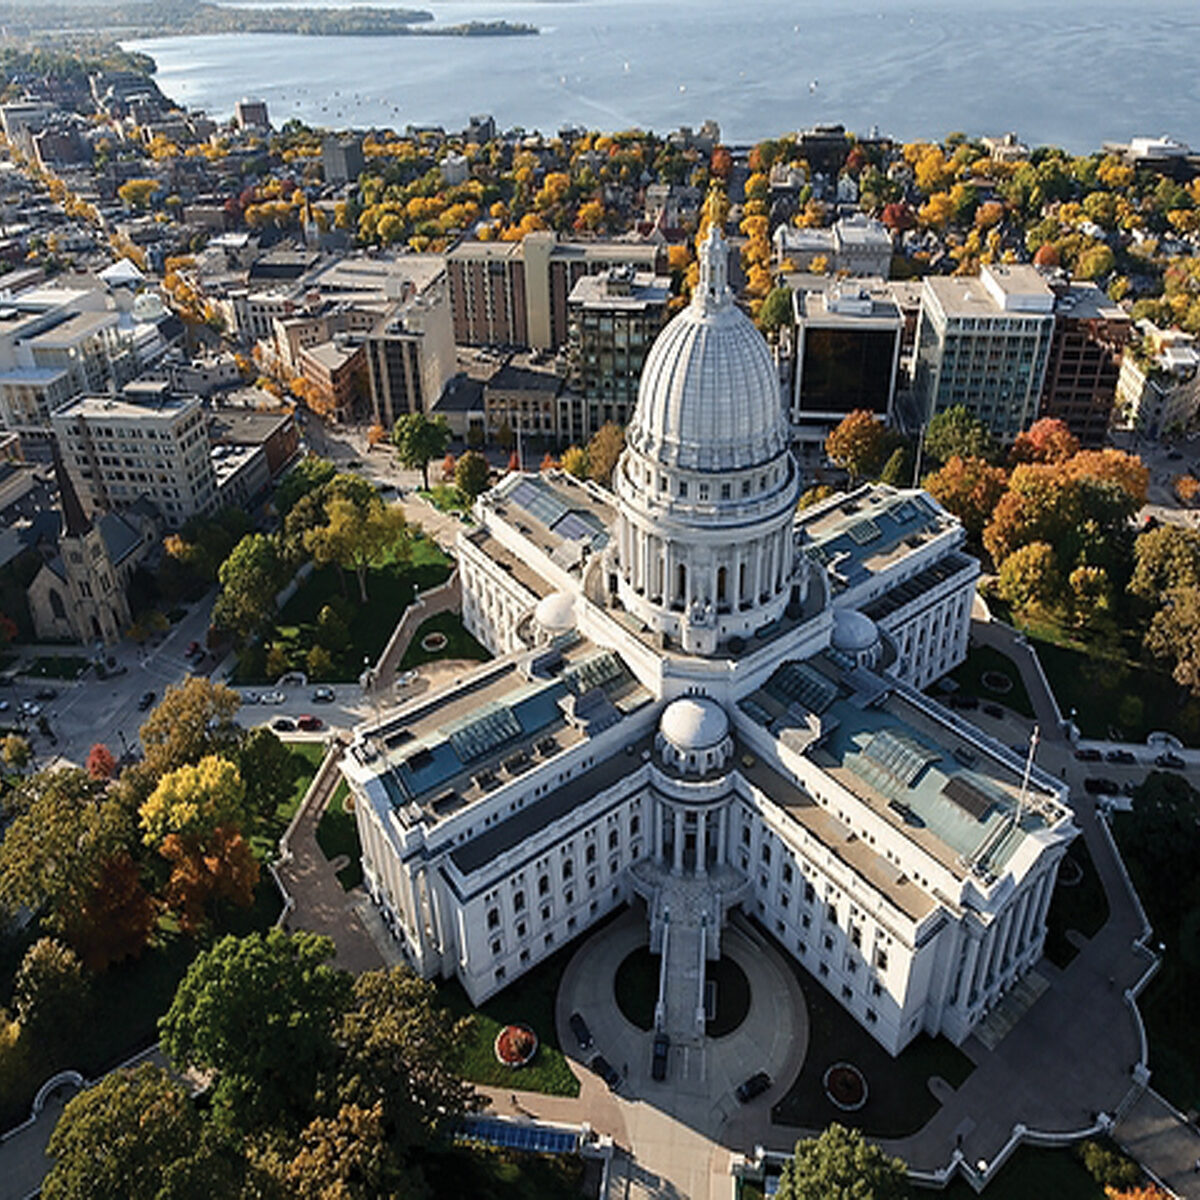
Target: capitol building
(702, 700)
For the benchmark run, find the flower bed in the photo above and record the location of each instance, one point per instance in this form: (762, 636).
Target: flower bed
(996, 681)
(431, 643)
(515, 1045)
(845, 1086)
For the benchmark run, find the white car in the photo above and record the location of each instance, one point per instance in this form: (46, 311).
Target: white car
(31, 708)
(272, 698)
(250, 697)
(406, 677)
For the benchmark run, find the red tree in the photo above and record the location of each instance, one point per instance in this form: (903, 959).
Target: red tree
(1045, 441)
(898, 217)
(100, 762)
(722, 162)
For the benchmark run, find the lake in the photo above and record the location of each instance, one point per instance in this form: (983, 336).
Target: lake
(1056, 71)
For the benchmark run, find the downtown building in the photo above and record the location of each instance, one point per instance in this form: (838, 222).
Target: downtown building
(701, 703)
(984, 343)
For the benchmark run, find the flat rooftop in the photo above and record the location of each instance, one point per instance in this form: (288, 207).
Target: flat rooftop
(498, 724)
(946, 791)
(99, 408)
(858, 534)
(632, 291)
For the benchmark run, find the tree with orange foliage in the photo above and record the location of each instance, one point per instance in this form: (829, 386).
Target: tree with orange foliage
(858, 443)
(970, 488)
(221, 868)
(100, 762)
(549, 462)
(1186, 488)
(1047, 440)
(514, 462)
(376, 435)
(116, 917)
(1112, 466)
(721, 163)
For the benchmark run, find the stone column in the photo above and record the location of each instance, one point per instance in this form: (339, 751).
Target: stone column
(722, 823)
(702, 843)
(734, 586)
(658, 832)
(677, 868)
(967, 980)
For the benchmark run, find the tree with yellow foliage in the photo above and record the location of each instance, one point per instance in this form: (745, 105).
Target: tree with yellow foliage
(937, 211)
(194, 800)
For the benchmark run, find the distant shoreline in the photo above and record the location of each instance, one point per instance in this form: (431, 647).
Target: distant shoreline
(192, 18)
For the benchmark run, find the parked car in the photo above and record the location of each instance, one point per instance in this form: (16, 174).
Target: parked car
(754, 1086)
(993, 710)
(658, 1064)
(1098, 786)
(272, 698)
(323, 694)
(250, 697)
(1088, 754)
(308, 722)
(3, 706)
(1125, 757)
(194, 650)
(602, 1067)
(30, 708)
(964, 701)
(1171, 761)
(579, 1027)
(283, 725)
(146, 700)
(406, 677)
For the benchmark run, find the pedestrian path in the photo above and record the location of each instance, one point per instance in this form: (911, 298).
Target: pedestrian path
(1159, 1138)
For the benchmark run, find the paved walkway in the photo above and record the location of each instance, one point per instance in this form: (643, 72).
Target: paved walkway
(321, 904)
(1153, 1133)
(680, 1132)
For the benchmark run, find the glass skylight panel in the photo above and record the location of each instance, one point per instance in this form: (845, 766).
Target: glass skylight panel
(864, 531)
(482, 732)
(899, 754)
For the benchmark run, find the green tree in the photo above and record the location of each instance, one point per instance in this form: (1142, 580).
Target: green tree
(1164, 558)
(1174, 636)
(842, 1165)
(332, 631)
(897, 471)
(471, 474)
(49, 988)
(319, 663)
(1089, 593)
(955, 432)
(259, 1013)
(250, 577)
(358, 538)
(603, 450)
(17, 751)
(136, 1135)
(859, 443)
(776, 310)
(399, 1047)
(308, 475)
(194, 718)
(418, 440)
(1030, 576)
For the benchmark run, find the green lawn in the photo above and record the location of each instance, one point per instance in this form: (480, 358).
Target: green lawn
(982, 659)
(306, 757)
(459, 643)
(445, 497)
(528, 1000)
(337, 834)
(1081, 906)
(1116, 692)
(486, 1173)
(635, 987)
(57, 666)
(1031, 1173)
(390, 589)
(899, 1100)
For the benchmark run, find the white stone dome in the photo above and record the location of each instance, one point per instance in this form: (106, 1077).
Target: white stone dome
(694, 723)
(853, 631)
(555, 613)
(709, 397)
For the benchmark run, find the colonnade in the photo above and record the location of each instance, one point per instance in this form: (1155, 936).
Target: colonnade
(710, 828)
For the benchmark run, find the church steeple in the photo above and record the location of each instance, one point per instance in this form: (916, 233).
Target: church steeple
(75, 520)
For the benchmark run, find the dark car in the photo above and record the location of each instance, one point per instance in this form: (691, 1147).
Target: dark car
(1171, 761)
(602, 1067)
(323, 694)
(45, 693)
(658, 1064)
(964, 701)
(754, 1086)
(145, 700)
(1088, 755)
(194, 650)
(1097, 786)
(309, 722)
(1125, 757)
(283, 724)
(579, 1027)
(993, 710)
